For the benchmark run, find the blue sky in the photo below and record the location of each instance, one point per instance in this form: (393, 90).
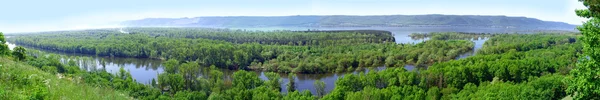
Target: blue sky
(48, 15)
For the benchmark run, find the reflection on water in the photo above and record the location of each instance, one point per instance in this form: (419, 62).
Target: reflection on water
(478, 45)
(306, 81)
(142, 70)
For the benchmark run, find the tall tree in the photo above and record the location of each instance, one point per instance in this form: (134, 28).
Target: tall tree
(291, 86)
(19, 53)
(171, 66)
(216, 79)
(2, 39)
(190, 72)
(246, 80)
(274, 81)
(320, 87)
(4, 50)
(585, 82)
(171, 82)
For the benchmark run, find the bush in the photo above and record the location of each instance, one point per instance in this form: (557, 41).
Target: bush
(50, 69)
(72, 70)
(187, 95)
(39, 92)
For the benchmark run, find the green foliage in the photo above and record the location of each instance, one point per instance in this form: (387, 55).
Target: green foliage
(433, 93)
(2, 38)
(584, 80)
(320, 87)
(305, 95)
(171, 66)
(190, 72)
(20, 81)
(187, 95)
(50, 69)
(51, 60)
(4, 50)
(514, 74)
(19, 53)
(171, 82)
(291, 85)
(274, 81)
(548, 87)
(216, 81)
(246, 80)
(265, 93)
(511, 65)
(525, 42)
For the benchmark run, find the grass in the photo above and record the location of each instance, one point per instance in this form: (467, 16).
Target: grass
(20, 81)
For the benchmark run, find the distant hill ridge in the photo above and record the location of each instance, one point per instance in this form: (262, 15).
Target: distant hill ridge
(351, 21)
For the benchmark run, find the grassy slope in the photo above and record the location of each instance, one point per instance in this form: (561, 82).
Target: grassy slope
(21, 81)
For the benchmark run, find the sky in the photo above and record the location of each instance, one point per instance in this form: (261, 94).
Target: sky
(52, 15)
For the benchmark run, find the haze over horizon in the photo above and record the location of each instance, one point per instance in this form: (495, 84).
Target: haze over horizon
(73, 14)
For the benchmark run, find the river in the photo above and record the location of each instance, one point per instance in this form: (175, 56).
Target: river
(144, 70)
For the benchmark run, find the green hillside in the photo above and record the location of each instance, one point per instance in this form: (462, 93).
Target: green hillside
(353, 21)
(20, 81)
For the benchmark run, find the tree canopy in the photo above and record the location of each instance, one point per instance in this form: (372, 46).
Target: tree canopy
(585, 80)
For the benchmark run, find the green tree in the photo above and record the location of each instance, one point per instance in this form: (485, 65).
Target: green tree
(171, 82)
(585, 82)
(320, 87)
(190, 72)
(19, 53)
(190, 95)
(216, 79)
(291, 86)
(246, 80)
(274, 81)
(2, 39)
(171, 66)
(299, 96)
(4, 50)
(433, 93)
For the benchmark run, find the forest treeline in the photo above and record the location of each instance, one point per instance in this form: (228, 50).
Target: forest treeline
(509, 66)
(299, 52)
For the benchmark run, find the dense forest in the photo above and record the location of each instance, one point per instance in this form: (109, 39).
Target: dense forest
(536, 73)
(278, 51)
(509, 66)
